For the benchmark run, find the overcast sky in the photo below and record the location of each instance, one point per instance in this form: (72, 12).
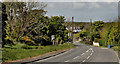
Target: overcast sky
(83, 11)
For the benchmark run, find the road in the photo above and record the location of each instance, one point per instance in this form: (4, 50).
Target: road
(83, 53)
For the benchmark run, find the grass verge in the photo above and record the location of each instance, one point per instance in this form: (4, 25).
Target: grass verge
(16, 54)
(115, 48)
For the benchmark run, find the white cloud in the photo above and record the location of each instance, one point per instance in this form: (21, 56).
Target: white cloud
(78, 5)
(94, 5)
(50, 5)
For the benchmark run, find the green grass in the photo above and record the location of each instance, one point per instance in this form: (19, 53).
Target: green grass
(115, 48)
(15, 54)
(82, 42)
(88, 44)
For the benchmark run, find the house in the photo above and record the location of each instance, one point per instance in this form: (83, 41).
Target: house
(75, 29)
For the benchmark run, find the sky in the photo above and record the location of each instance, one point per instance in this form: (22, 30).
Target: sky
(83, 11)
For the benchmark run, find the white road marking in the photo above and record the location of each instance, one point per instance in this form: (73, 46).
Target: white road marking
(67, 61)
(76, 57)
(83, 61)
(88, 57)
(117, 57)
(54, 56)
(92, 50)
(91, 53)
(82, 53)
(87, 50)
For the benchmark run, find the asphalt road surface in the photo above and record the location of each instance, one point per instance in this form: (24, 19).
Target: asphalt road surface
(83, 53)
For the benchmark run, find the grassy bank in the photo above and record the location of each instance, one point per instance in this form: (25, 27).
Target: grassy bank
(115, 48)
(15, 54)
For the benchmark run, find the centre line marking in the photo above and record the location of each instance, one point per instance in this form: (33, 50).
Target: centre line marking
(87, 50)
(76, 57)
(91, 53)
(83, 61)
(88, 57)
(67, 61)
(82, 53)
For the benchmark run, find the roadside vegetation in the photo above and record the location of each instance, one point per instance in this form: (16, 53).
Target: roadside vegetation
(23, 51)
(105, 33)
(27, 31)
(76, 36)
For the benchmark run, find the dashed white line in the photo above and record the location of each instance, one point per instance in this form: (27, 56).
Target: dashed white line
(82, 53)
(91, 53)
(76, 57)
(88, 57)
(87, 50)
(67, 61)
(92, 50)
(83, 61)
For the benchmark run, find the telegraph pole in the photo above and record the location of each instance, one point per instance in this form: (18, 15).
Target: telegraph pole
(90, 22)
(72, 29)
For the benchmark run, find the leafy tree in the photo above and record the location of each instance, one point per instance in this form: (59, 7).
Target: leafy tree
(32, 27)
(97, 25)
(95, 30)
(19, 20)
(83, 33)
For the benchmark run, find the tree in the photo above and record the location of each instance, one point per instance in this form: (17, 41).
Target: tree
(97, 25)
(19, 20)
(58, 29)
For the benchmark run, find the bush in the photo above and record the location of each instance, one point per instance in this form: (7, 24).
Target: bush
(96, 39)
(17, 46)
(29, 47)
(26, 47)
(7, 46)
(101, 42)
(4, 58)
(40, 47)
(34, 47)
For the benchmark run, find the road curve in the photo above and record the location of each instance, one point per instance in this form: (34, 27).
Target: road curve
(83, 53)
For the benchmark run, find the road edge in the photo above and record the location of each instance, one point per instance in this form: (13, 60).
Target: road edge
(40, 57)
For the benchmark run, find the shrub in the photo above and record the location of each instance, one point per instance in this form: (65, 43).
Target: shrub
(34, 47)
(7, 46)
(40, 47)
(101, 42)
(26, 47)
(17, 46)
(96, 39)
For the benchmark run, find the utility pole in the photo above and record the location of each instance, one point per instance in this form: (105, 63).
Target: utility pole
(90, 30)
(72, 29)
(90, 22)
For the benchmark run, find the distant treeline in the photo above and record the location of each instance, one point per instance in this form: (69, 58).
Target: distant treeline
(106, 33)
